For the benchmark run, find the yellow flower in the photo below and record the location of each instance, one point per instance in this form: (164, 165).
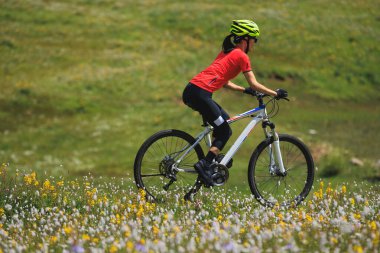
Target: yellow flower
(357, 216)
(60, 183)
(130, 245)
(344, 189)
(85, 237)
(329, 190)
(309, 218)
(2, 211)
(46, 185)
(333, 240)
(176, 229)
(156, 230)
(95, 240)
(30, 179)
(372, 224)
(67, 230)
(142, 193)
(53, 239)
(113, 249)
(358, 249)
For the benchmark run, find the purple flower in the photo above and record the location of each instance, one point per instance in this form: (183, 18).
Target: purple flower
(228, 246)
(77, 249)
(140, 247)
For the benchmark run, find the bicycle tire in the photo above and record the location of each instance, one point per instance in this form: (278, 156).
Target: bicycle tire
(283, 190)
(153, 162)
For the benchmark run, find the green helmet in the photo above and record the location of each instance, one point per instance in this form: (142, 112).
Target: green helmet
(244, 27)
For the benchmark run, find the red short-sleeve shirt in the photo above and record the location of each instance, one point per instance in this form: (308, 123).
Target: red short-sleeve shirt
(224, 68)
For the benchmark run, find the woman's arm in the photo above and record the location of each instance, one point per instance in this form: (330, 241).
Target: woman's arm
(255, 85)
(230, 85)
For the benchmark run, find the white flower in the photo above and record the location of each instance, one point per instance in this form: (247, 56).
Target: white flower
(8, 207)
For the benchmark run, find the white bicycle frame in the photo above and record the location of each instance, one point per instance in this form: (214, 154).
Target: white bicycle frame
(258, 114)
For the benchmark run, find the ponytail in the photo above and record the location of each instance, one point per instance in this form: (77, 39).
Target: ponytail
(228, 43)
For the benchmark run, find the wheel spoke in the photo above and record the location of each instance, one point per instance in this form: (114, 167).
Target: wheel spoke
(157, 162)
(282, 189)
(153, 175)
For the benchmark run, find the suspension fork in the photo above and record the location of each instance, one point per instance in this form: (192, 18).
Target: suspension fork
(274, 148)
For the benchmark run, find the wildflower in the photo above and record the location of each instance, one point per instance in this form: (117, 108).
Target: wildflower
(333, 240)
(358, 249)
(156, 230)
(3, 168)
(329, 190)
(67, 230)
(1, 212)
(77, 249)
(30, 179)
(372, 225)
(53, 239)
(344, 189)
(8, 207)
(130, 245)
(46, 185)
(113, 248)
(309, 218)
(85, 237)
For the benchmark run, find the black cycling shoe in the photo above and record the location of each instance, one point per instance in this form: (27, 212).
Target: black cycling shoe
(205, 172)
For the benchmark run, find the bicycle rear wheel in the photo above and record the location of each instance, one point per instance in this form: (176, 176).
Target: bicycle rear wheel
(154, 167)
(268, 185)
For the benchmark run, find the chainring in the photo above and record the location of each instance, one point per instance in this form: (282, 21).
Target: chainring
(220, 174)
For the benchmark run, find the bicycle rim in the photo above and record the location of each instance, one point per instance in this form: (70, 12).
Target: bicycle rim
(155, 159)
(272, 189)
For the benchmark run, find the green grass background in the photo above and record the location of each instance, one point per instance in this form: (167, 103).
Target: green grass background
(84, 83)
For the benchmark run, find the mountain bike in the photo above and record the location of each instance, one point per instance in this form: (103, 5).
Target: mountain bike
(280, 170)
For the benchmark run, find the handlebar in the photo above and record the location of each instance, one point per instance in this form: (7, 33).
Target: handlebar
(260, 96)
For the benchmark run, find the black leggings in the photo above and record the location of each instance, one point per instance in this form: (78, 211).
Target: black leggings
(201, 100)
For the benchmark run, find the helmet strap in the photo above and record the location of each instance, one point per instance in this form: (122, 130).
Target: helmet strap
(247, 49)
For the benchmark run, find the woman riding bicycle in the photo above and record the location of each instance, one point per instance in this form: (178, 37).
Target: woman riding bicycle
(232, 60)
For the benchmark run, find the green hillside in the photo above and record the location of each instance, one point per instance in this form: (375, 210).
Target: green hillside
(84, 83)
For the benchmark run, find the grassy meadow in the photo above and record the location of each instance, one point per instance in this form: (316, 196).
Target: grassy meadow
(83, 83)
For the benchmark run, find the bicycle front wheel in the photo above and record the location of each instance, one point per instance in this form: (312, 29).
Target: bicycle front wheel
(268, 185)
(156, 167)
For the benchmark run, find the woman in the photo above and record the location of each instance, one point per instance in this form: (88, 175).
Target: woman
(232, 60)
